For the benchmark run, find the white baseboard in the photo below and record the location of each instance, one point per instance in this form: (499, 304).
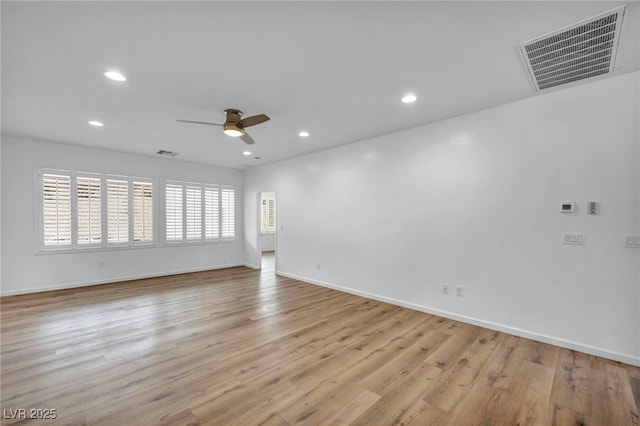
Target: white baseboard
(114, 280)
(251, 265)
(563, 343)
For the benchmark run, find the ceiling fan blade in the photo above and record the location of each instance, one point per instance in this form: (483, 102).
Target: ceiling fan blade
(252, 121)
(200, 122)
(247, 139)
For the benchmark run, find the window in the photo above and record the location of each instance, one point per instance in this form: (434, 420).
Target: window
(198, 212)
(56, 210)
(193, 212)
(227, 205)
(268, 210)
(142, 212)
(89, 210)
(82, 210)
(173, 210)
(211, 213)
(117, 211)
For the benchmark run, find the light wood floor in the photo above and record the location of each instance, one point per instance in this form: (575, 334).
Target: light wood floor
(244, 347)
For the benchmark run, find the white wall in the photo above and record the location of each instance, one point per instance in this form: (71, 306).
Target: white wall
(268, 242)
(473, 201)
(26, 271)
(0, 214)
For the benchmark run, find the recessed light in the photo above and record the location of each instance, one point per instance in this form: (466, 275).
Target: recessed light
(409, 98)
(246, 153)
(114, 75)
(96, 123)
(303, 134)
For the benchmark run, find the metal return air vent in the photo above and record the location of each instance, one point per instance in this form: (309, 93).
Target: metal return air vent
(583, 50)
(167, 153)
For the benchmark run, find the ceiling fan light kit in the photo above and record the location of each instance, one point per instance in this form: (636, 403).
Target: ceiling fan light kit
(232, 130)
(234, 124)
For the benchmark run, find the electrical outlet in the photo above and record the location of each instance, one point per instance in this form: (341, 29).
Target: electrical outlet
(101, 264)
(445, 288)
(459, 291)
(317, 266)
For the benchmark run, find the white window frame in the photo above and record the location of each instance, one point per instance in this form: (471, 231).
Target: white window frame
(203, 216)
(104, 243)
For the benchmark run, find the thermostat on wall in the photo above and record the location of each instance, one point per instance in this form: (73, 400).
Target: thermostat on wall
(567, 207)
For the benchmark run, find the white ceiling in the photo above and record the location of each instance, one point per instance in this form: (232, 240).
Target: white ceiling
(336, 69)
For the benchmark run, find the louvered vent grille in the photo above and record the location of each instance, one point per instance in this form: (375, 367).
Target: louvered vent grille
(583, 50)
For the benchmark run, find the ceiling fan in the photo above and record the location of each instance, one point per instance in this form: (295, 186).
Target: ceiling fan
(234, 125)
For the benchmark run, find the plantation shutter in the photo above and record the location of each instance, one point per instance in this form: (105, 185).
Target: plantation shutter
(211, 213)
(264, 219)
(173, 212)
(142, 212)
(117, 211)
(268, 221)
(193, 212)
(227, 204)
(56, 210)
(271, 208)
(89, 210)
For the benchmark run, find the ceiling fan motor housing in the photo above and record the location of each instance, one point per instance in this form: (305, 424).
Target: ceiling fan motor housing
(233, 116)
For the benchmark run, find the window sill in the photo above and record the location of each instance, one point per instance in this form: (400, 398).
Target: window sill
(94, 249)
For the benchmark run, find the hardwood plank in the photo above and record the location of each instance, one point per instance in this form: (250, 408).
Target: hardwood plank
(401, 399)
(573, 385)
(564, 416)
(528, 395)
(321, 404)
(406, 360)
(615, 399)
(245, 347)
(634, 379)
(182, 418)
(424, 414)
(483, 405)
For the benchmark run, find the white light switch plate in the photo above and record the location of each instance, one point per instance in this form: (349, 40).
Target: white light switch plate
(574, 238)
(632, 240)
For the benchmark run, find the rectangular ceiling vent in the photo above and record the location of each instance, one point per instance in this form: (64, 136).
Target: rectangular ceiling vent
(167, 153)
(583, 50)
